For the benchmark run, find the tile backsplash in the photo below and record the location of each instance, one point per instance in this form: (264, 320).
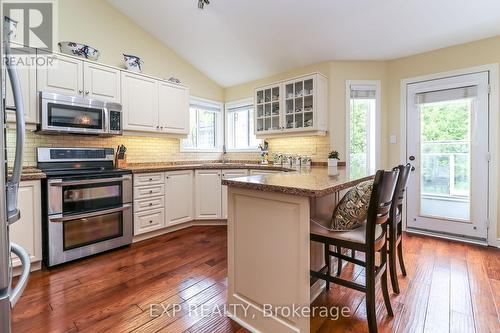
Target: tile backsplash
(144, 149)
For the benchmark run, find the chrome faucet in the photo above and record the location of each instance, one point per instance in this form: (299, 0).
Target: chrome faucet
(225, 159)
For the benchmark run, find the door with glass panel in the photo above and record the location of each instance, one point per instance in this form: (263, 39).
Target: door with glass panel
(447, 145)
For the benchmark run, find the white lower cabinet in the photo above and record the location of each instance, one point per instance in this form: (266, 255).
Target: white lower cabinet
(179, 196)
(227, 174)
(27, 231)
(165, 199)
(208, 194)
(149, 220)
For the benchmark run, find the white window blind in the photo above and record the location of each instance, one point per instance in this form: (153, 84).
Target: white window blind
(446, 95)
(363, 92)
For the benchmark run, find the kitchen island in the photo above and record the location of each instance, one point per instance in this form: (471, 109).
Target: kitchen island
(269, 251)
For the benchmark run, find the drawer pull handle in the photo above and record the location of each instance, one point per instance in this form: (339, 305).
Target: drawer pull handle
(151, 191)
(150, 221)
(150, 179)
(151, 204)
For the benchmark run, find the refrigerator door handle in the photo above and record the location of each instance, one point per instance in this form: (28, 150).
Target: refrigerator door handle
(16, 293)
(12, 185)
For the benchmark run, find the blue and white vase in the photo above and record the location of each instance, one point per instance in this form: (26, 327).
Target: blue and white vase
(133, 63)
(79, 49)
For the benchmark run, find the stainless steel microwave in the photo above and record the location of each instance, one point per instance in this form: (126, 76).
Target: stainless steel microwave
(74, 114)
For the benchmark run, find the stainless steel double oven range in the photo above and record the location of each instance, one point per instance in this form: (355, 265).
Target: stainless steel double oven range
(87, 203)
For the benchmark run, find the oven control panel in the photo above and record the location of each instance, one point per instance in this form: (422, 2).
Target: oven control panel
(74, 154)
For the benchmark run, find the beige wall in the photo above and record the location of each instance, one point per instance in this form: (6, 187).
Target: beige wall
(97, 23)
(100, 25)
(337, 72)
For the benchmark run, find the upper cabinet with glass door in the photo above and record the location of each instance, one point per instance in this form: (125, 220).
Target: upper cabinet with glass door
(295, 105)
(267, 105)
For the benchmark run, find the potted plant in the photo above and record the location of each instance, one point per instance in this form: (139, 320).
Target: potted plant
(333, 158)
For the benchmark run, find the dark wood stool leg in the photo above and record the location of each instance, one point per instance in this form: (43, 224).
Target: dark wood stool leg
(392, 265)
(385, 289)
(328, 264)
(400, 257)
(353, 253)
(339, 261)
(370, 300)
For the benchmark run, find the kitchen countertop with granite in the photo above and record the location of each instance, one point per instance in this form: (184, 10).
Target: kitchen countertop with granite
(160, 167)
(310, 182)
(29, 173)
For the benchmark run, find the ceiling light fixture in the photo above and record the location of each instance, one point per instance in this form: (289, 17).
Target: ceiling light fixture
(202, 3)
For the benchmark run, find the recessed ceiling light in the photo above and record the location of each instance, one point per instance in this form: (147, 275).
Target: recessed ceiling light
(202, 3)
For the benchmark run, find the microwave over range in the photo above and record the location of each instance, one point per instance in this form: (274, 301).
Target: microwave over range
(78, 115)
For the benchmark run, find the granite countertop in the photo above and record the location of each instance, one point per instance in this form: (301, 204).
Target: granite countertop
(29, 173)
(160, 167)
(310, 182)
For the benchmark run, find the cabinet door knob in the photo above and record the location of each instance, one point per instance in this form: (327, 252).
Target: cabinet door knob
(80, 91)
(87, 92)
(150, 221)
(151, 204)
(150, 192)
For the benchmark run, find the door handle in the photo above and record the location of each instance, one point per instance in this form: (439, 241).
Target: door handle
(15, 294)
(89, 181)
(62, 218)
(12, 185)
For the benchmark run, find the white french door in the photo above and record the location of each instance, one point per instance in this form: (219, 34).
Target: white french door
(447, 145)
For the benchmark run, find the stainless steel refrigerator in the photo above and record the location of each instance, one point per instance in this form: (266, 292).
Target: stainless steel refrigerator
(9, 185)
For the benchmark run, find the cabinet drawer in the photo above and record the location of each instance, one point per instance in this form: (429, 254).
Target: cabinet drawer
(148, 204)
(148, 178)
(149, 191)
(149, 221)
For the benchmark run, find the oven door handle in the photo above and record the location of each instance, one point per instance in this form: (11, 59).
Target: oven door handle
(61, 218)
(60, 182)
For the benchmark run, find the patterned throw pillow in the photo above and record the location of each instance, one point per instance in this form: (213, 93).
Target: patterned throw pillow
(352, 210)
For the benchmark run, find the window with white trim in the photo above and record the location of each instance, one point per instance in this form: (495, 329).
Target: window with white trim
(205, 126)
(240, 132)
(363, 127)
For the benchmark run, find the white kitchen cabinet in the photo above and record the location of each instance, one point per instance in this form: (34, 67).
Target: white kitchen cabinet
(101, 82)
(60, 74)
(27, 231)
(73, 76)
(173, 108)
(208, 194)
(179, 196)
(228, 174)
(139, 102)
(297, 105)
(27, 78)
(149, 220)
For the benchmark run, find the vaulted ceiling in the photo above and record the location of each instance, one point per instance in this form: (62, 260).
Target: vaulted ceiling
(235, 41)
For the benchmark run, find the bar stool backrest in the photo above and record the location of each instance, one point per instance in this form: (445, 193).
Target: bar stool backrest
(380, 202)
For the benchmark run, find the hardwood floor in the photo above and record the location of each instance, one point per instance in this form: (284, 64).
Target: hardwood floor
(450, 287)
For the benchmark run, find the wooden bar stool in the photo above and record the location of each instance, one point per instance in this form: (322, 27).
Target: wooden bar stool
(370, 238)
(395, 239)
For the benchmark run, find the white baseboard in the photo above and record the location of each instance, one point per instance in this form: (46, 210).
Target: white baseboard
(242, 323)
(448, 237)
(177, 227)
